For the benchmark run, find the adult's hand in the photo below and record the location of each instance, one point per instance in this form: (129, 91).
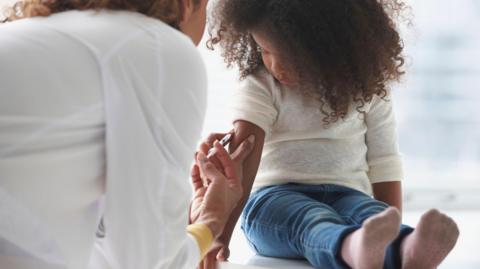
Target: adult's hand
(212, 204)
(218, 252)
(238, 157)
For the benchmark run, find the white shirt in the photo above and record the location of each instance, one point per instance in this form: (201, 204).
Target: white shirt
(93, 105)
(354, 152)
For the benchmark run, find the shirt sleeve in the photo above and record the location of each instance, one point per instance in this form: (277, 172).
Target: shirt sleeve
(254, 102)
(155, 98)
(384, 159)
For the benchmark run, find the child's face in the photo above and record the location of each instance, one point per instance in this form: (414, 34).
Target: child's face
(273, 60)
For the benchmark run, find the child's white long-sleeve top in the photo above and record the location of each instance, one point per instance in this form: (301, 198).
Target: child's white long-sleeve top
(354, 152)
(97, 104)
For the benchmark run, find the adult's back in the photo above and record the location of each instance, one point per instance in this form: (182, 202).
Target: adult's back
(61, 77)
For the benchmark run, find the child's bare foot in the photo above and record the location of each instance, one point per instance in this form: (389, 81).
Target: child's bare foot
(432, 240)
(365, 248)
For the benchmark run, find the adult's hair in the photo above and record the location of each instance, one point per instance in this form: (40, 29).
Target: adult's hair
(168, 11)
(348, 50)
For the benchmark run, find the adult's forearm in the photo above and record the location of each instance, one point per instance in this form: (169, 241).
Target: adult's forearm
(237, 212)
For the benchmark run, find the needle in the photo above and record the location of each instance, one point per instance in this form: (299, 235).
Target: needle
(224, 142)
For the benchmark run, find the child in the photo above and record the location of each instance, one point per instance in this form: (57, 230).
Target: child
(315, 95)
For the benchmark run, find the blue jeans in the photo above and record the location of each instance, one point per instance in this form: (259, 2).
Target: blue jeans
(310, 221)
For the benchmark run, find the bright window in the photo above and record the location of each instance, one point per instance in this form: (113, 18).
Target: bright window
(438, 106)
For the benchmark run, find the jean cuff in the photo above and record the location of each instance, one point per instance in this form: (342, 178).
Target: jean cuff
(393, 259)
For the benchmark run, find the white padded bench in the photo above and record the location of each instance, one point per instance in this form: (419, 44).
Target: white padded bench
(258, 262)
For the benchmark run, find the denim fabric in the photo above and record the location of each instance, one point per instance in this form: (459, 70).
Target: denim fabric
(310, 222)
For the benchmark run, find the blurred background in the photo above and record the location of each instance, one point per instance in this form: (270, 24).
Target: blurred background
(438, 111)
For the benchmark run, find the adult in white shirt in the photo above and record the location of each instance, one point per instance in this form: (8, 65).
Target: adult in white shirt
(101, 106)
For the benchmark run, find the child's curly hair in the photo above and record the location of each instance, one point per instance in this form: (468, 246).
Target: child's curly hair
(349, 50)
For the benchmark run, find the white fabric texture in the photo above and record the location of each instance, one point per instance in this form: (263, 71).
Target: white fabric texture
(354, 152)
(97, 106)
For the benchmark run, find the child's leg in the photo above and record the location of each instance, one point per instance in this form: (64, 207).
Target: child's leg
(282, 222)
(359, 208)
(426, 247)
(434, 237)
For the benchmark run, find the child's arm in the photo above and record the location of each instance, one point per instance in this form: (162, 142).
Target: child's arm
(385, 164)
(389, 192)
(243, 130)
